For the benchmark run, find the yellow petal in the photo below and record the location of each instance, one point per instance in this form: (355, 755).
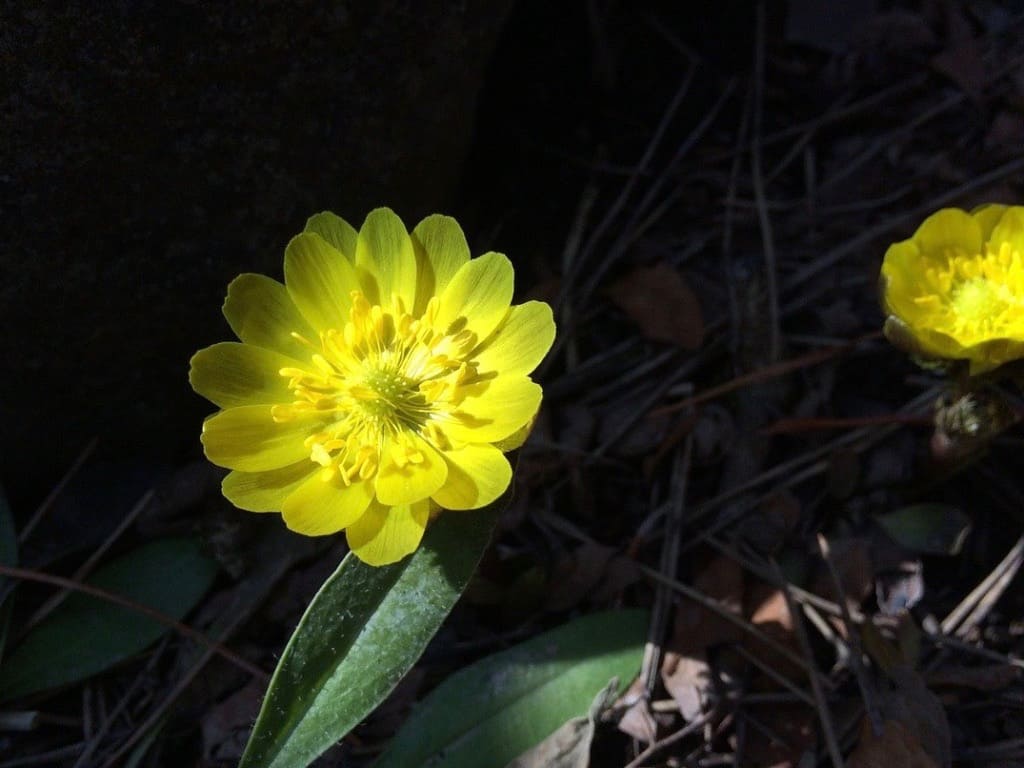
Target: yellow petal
(494, 410)
(950, 228)
(336, 231)
(410, 470)
(1009, 229)
(385, 258)
(901, 278)
(441, 249)
(987, 216)
(266, 491)
(248, 438)
(516, 439)
(320, 507)
(320, 281)
(993, 353)
(260, 312)
(478, 296)
(230, 374)
(384, 535)
(477, 475)
(520, 342)
(921, 341)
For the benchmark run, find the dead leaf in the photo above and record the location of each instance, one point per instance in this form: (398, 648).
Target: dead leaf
(569, 746)
(696, 627)
(884, 652)
(620, 572)
(225, 727)
(769, 611)
(684, 668)
(793, 726)
(920, 712)
(661, 304)
(638, 720)
(575, 576)
(990, 678)
(687, 680)
(895, 746)
(852, 560)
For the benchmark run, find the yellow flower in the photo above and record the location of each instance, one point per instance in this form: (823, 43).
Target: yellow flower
(955, 290)
(380, 382)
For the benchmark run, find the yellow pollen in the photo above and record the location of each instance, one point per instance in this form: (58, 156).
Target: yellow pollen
(373, 384)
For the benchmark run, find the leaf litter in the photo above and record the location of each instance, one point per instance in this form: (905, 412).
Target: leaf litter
(903, 645)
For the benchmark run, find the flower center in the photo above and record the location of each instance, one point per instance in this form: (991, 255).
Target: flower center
(374, 384)
(978, 296)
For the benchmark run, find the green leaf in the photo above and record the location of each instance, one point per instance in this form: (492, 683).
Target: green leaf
(569, 746)
(86, 635)
(930, 529)
(506, 703)
(362, 632)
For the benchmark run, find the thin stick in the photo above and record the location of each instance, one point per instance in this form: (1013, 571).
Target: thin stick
(767, 237)
(111, 718)
(973, 608)
(824, 714)
(145, 610)
(852, 638)
(669, 740)
(86, 568)
(854, 244)
(768, 372)
(51, 497)
(668, 565)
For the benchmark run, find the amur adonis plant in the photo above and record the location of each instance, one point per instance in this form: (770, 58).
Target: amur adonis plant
(955, 290)
(381, 382)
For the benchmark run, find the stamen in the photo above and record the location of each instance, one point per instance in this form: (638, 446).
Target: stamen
(381, 378)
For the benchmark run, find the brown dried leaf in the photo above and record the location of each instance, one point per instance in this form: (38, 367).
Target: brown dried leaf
(990, 678)
(687, 680)
(696, 627)
(225, 727)
(575, 576)
(638, 720)
(786, 734)
(620, 572)
(897, 745)
(921, 714)
(684, 668)
(769, 611)
(662, 305)
(854, 564)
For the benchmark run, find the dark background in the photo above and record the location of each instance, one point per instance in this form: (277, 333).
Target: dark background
(154, 150)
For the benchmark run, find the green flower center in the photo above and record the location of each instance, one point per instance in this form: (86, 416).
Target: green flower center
(392, 399)
(381, 379)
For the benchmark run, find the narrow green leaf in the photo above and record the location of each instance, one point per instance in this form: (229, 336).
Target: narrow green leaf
(930, 529)
(362, 632)
(86, 635)
(506, 703)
